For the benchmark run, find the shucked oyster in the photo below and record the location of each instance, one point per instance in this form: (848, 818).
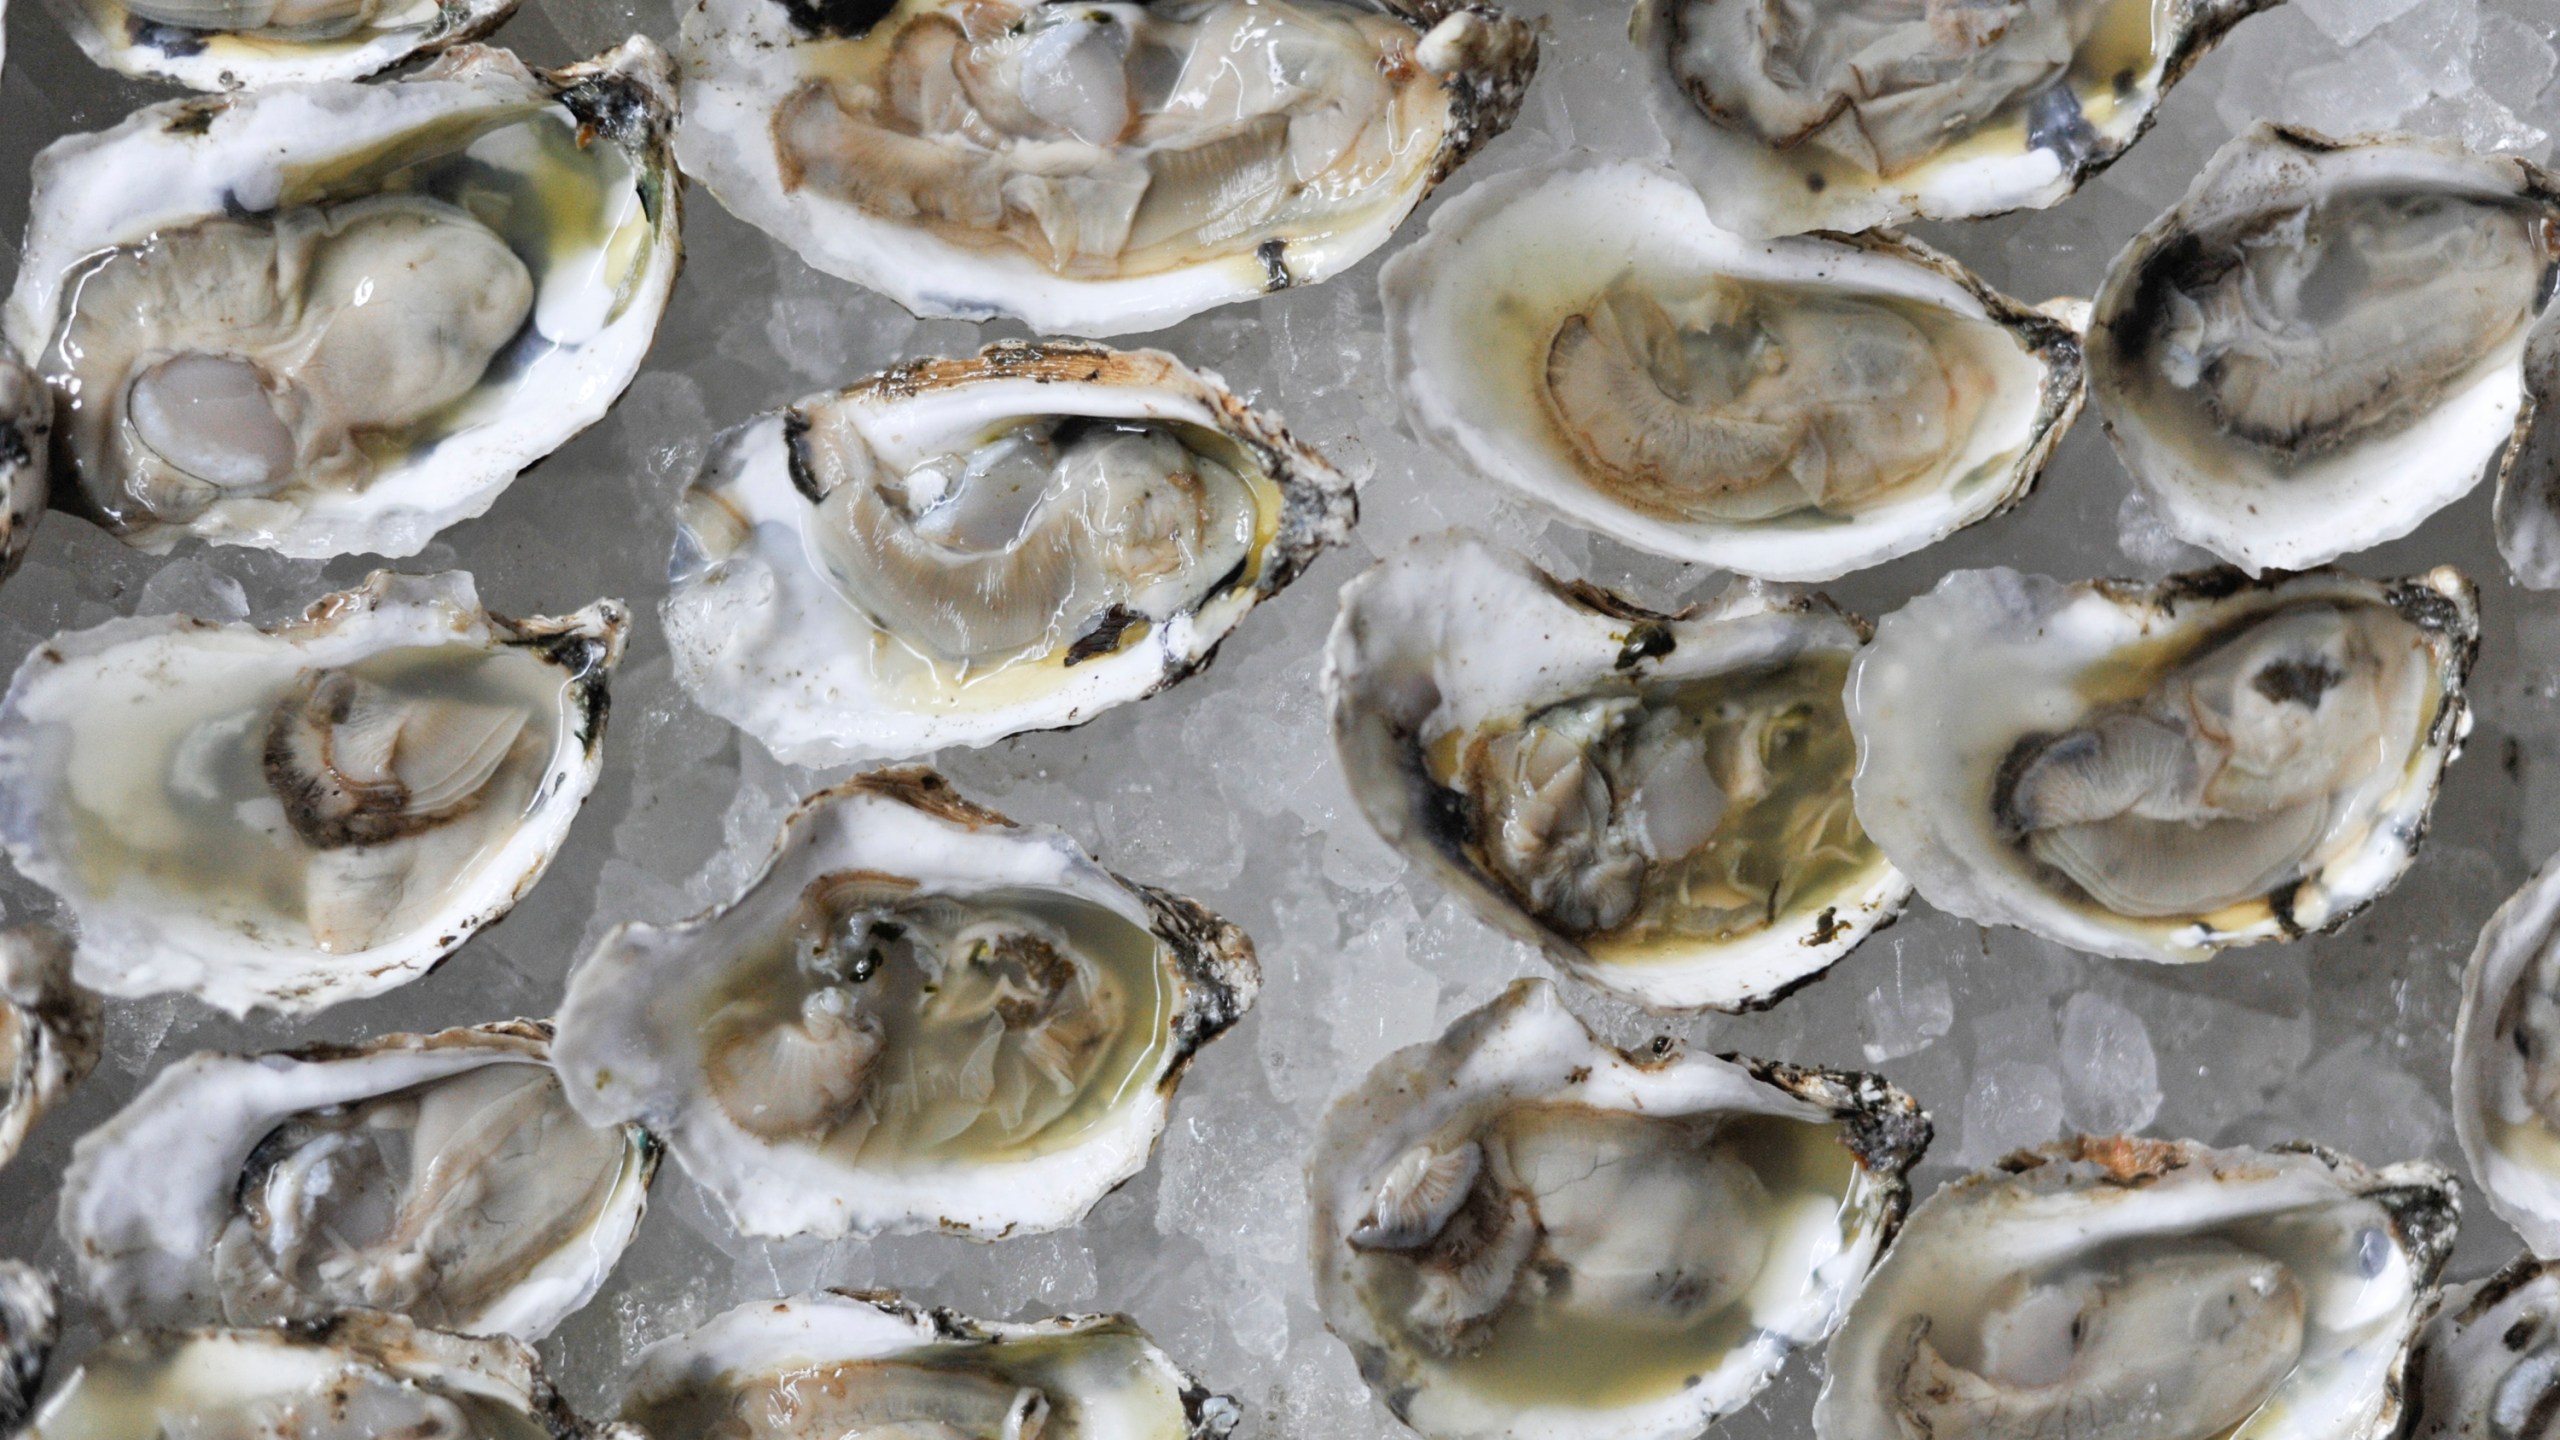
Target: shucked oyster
(2323, 343)
(1796, 410)
(49, 1029)
(337, 317)
(2506, 1062)
(2159, 771)
(307, 812)
(26, 431)
(1089, 169)
(2128, 1289)
(227, 44)
(2528, 507)
(919, 1016)
(1661, 801)
(1795, 115)
(955, 551)
(1523, 1233)
(440, 1176)
(2487, 1367)
(27, 1329)
(838, 1364)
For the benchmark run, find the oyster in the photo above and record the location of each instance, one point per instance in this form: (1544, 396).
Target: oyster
(306, 812)
(2528, 505)
(27, 1332)
(336, 317)
(1661, 801)
(356, 1375)
(1584, 334)
(954, 551)
(1089, 169)
(228, 44)
(919, 1016)
(26, 429)
(2487, 1367)
(2506, 1062)
(2158, 771)
(1796, 115)
(440, 1176)
(837, 1363)
(2138, 1289)
(1521, 1232)
(2323, 343)
(49, 1029)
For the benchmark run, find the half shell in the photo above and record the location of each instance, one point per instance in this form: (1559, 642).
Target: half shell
(2506, 1045)
(27, 1332)
(49, 1029)
(228, 44)
(2487, 1367)
(26, 449)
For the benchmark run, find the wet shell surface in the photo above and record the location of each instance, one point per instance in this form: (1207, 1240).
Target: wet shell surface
(26, 450)
(2487, 1367)
(1793, 409)
(2159, 771)
(1797, 115)
(444, 1177)
(2506, 1062)
(2323, 343)
(229, 44)
(1661, 802)
(2528, 504)
(1095, 169)
(28, 1325)
(306, 812)
(820, 1366)
(920, 1016)
(1523, 1233)
(486, 245)
(50, 1029)
(2178, 1292)
(954, 551)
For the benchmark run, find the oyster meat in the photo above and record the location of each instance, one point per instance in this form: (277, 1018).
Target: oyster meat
(2159, 771)
(920, 1016)
(2324, 342)
(28, 1315)
(2487, 1367)
(306, 812)
(444, 1177)
(1660, 801)
(2506, 1062)
(228, 44)
(334, 317)
(1582, 333)
(2116, 1288)
(26, 436)
(838, 1363)
(49, 1029)
(1523, 1233)
(1089, 169)
(955, 551)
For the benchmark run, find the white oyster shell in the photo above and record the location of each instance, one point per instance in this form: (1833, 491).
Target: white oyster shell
(229, 44)
(1398, 105)
(28, 1316)
(2506, 1043)
(1450, 643)
(2356, 372)
(768, 638)
(1690, 1273)
(1966, 684)
(2253, 1294)
(441, 1176)
(872, 1359)
(809, 1057)
(135, 784)
(1476, 308)
(26, 430)
(563, 178)
(49, 1029)
(2487, 1367)
(2528, 505)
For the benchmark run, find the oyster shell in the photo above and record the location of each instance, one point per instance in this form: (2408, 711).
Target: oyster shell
(954, 551)
(1092, 169)
(2528, 504)
(228, 44)
(26, 430)
(816, 1367)
(2146, 1290)
(442, 1176)
(2487, 1367)
(1796, 409)
(1521, 1232)
(2506, 1043)
(27, 1331)
(49, 1029)
(307, 812)
(2159, 771)
(1660, 801)
(920, 1016)
(1796, 115)
(2323, 343)
(486, 247)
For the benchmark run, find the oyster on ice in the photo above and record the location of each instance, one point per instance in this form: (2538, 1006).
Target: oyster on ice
(49, 1029)
(338, 317)
(1660, 801)
(2159, 771)
(1089, 169)
(26, 430)
(2528, 505)
(28, 1316)
(2506, 1062)
(1521, 1232)
(444, 1177)
(954, 551)
(838, 1363)
(2487, 1367)
(228, 44)
(2138, 1289)
(1796, 409)
(919, 1016)
(1796, 115)
(307, 812)
(2323, 343)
